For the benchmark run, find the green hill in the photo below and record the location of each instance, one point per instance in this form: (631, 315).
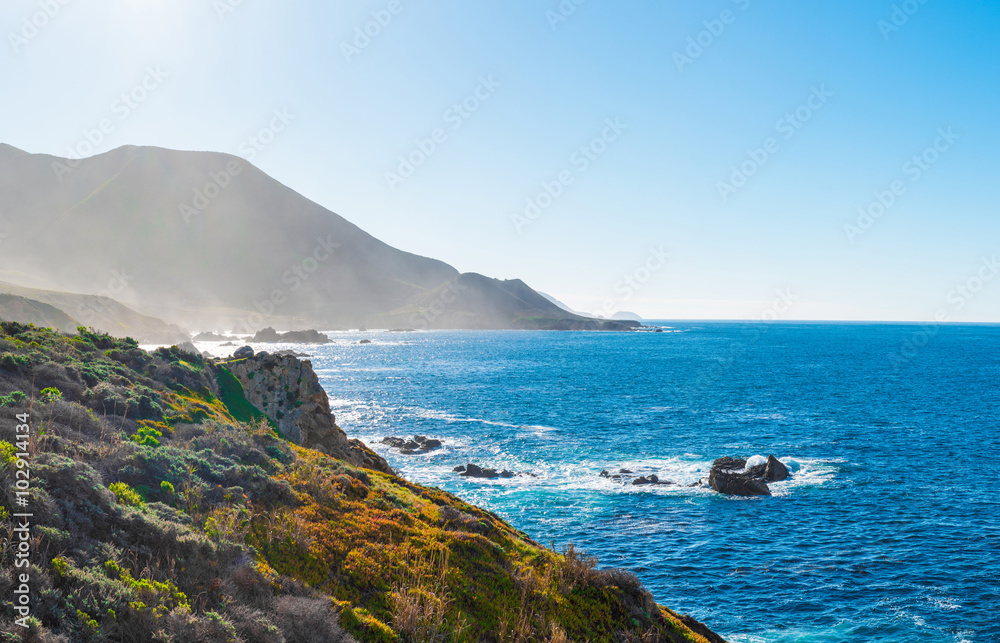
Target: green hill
(29, 311)
(98, 312)
(158, 515)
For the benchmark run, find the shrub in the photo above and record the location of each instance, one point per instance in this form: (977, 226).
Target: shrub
(10, 361)
(51, 394)
(147, 436)
(125, 494)
(12, 399)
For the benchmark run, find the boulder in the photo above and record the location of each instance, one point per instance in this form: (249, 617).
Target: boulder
(729, 463)
(506, 474)
(419, 444)
(737, 484)
(775, 470)
(459, 468)
(474, 471)
(241, 353)
(732, 476)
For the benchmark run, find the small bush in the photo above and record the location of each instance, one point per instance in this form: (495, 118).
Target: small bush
(125, 494)
(10, 361)
(12, 399)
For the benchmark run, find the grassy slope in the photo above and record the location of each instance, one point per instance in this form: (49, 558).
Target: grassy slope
(161, 516)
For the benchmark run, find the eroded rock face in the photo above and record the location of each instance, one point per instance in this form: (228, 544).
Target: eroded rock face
(287, 390)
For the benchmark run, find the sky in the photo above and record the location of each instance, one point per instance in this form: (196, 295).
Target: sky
(697, 159)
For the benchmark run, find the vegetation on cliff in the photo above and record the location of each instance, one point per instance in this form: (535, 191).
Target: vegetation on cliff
(167, 507)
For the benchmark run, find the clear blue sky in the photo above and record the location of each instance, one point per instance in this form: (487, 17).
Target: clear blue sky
(878, 80)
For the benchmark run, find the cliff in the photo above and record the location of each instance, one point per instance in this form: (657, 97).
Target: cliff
(287, 391)
(167, 506)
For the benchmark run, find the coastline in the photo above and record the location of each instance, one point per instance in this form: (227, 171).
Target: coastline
(181, 470)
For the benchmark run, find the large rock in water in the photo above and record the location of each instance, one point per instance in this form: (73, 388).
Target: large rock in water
(737, 484)
(731, 476)
(287, 390)
(775, 470)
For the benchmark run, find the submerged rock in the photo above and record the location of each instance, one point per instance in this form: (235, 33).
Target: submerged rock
(419, 444)
(474, 471)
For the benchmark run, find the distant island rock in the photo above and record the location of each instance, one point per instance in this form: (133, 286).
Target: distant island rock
(271, 336)
(211, 337)
(624, 315)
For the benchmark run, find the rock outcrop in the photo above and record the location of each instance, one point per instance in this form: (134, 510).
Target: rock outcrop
(269, 335)
(475, 471)
(419, 444)
(731, 476)
(287, 390)
(627, 477)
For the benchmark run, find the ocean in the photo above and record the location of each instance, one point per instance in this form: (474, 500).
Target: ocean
(887, 530)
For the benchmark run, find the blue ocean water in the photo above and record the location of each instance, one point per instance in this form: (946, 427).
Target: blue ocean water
(888, 529)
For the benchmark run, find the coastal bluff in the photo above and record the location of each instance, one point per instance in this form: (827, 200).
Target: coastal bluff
(286, 389)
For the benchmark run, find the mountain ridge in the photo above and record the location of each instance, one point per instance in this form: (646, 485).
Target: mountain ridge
(208, 240)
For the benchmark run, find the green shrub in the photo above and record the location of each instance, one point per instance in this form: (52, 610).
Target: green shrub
(12, 399)
(10, 361)
(125, 494)
(147, 436)
(51, 394)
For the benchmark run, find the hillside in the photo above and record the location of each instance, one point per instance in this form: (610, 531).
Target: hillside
(94, 311)
(473, 301)
(29, 311)
(169, 507)
(207, 240)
